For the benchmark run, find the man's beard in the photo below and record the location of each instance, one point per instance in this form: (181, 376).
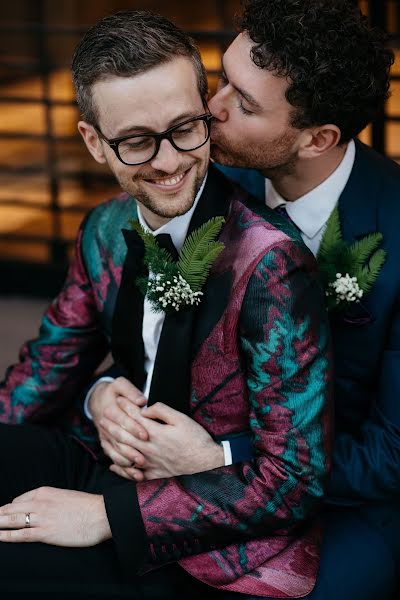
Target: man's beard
(165, 209)
(274, 159)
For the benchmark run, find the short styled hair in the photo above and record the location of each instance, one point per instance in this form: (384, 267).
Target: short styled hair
(124, 45)
(336, 64)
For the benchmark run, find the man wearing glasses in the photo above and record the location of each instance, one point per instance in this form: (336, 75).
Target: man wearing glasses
(249, 349)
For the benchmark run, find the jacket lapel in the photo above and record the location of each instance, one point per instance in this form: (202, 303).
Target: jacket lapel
(126, 340)
(183, 332)
(358, 203)
(217, 195)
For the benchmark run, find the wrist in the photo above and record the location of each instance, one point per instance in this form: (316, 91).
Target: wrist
(103, 525)
(215, 457)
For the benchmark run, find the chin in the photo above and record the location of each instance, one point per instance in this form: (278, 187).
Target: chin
(220, 156)
(174, 211)
(227, 159)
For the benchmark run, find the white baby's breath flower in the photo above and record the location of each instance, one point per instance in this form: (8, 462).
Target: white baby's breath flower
(345, 288)
(175, 292)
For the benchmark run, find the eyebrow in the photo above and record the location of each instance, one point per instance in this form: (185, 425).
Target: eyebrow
(145, 129)
(248, 97)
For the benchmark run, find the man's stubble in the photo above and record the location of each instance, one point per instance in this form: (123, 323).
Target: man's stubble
(274, 159)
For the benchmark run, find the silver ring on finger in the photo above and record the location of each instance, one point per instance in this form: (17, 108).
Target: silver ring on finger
(27, 519)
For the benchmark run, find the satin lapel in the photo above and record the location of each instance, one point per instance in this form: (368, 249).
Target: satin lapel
(215, 202)
(183, 332)
(126, 340)
(358, 203)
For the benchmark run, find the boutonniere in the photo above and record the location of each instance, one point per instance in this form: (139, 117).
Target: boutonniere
(348, 271)
(172, 286)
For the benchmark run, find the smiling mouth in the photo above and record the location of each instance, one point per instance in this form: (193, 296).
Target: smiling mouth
(170, 183)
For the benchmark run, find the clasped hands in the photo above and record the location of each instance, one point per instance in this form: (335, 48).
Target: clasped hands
(149, 442)
(143, 443)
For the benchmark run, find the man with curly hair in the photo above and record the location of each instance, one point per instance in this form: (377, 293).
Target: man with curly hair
(299, 83)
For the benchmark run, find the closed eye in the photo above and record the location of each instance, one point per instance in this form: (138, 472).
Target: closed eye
(136, 143)
(243, 109)
(184, 130)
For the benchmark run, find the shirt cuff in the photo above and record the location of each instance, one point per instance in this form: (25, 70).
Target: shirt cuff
(89, 395)
(227, 452)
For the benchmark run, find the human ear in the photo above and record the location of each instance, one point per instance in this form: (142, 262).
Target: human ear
(92, 141)
(319, 140)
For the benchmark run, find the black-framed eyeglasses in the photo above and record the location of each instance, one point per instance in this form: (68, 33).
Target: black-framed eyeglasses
(184, 137)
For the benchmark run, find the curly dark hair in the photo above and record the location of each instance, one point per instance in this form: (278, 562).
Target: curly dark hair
(337, 65)
(126, 44)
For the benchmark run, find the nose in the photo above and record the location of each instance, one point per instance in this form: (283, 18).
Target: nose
(218, 105)
(167, 158)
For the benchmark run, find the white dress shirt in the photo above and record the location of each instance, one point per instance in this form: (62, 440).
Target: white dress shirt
(311, 212)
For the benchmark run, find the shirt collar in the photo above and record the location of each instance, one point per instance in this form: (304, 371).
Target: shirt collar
(178, 226)
(311, 211)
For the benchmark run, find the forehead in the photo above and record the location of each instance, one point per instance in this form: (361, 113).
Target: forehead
(151, 99)
(264, 86)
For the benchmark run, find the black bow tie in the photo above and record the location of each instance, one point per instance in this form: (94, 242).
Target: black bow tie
(164, 240)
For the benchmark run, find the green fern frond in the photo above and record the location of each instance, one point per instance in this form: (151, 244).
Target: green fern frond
(199, 252)
(335, 260)
(367, 276)
(332, 234)
(197, 242)
(148, 239)
(155, 257)
(362, 259)
(361, 250)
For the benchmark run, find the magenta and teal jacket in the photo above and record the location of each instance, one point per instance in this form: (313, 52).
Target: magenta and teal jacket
(255, 355)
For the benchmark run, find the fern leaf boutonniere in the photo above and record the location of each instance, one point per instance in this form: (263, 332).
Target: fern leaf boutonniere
(172, 286)
(348, 271)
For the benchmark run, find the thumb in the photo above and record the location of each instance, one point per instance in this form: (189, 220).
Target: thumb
(161, 412)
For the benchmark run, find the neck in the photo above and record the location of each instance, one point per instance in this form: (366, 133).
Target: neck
(308, 174)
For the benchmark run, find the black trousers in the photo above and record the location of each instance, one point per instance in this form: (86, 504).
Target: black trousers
(356, 564)
(31, 457)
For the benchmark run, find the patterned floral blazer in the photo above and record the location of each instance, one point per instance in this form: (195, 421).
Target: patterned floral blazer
(254, 355)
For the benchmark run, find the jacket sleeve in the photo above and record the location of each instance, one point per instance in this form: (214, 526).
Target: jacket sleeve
(54, 367)
(367, 466)
(285, 347)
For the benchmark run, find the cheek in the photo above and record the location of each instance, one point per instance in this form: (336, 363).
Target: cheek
(205, 152)
(245, 130)
(262, 131)
(120, 171)
(201, 155)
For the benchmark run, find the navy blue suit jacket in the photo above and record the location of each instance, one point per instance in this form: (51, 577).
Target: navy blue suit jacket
(366, 464)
